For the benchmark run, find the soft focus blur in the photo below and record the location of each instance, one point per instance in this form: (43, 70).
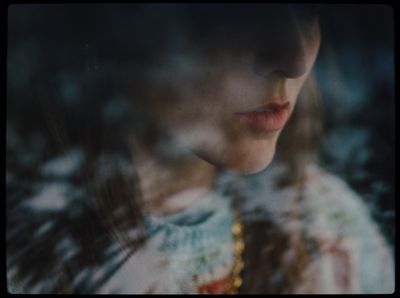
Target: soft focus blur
(355, 71)
(56, 101)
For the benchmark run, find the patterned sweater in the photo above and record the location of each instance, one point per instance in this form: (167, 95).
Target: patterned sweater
(318, 239)
(323, 241)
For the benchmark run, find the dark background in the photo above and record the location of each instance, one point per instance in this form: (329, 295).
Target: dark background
(355, 71)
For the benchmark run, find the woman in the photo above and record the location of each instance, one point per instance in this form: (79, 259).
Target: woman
(208, 92)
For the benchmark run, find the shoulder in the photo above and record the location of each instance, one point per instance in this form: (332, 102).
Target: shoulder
(342, 213)
(142, 272)
(333, 217)
(332, 201)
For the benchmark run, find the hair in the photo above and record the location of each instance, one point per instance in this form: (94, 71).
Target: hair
(112, 206)
(299, 142)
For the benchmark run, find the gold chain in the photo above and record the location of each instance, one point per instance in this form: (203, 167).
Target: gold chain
(238, 264)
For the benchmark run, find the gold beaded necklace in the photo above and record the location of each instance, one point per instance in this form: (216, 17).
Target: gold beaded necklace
(238, 264)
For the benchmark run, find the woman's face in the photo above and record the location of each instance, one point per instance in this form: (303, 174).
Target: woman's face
(228, 80)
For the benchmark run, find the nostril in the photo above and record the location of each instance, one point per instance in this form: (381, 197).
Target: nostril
(263, 65)
(288, 63)
(266, 72)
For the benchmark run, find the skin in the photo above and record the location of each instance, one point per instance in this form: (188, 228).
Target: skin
(197, 87)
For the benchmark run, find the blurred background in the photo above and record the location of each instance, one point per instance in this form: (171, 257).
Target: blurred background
(355, 71)
(55, 100)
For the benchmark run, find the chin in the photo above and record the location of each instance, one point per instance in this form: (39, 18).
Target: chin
(245, 160)
(250, 165)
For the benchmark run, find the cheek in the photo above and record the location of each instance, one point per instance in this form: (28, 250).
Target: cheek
(198, 114)
(191, 108)
(293, 89)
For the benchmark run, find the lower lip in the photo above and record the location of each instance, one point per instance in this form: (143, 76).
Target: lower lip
(264, 121)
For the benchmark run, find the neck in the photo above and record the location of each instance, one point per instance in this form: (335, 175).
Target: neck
(171, 185)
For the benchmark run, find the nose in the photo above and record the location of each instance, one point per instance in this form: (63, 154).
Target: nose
(284, 51)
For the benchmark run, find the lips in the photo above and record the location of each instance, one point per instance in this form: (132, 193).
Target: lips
(269, 117)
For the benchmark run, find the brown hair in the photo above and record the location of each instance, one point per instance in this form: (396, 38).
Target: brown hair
(297, 147)
(112, 204)
(299, 141)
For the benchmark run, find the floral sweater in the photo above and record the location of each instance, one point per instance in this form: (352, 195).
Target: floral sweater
(318, 239)
(322, 241)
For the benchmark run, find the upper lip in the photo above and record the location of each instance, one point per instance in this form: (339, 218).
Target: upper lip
(271, 106)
